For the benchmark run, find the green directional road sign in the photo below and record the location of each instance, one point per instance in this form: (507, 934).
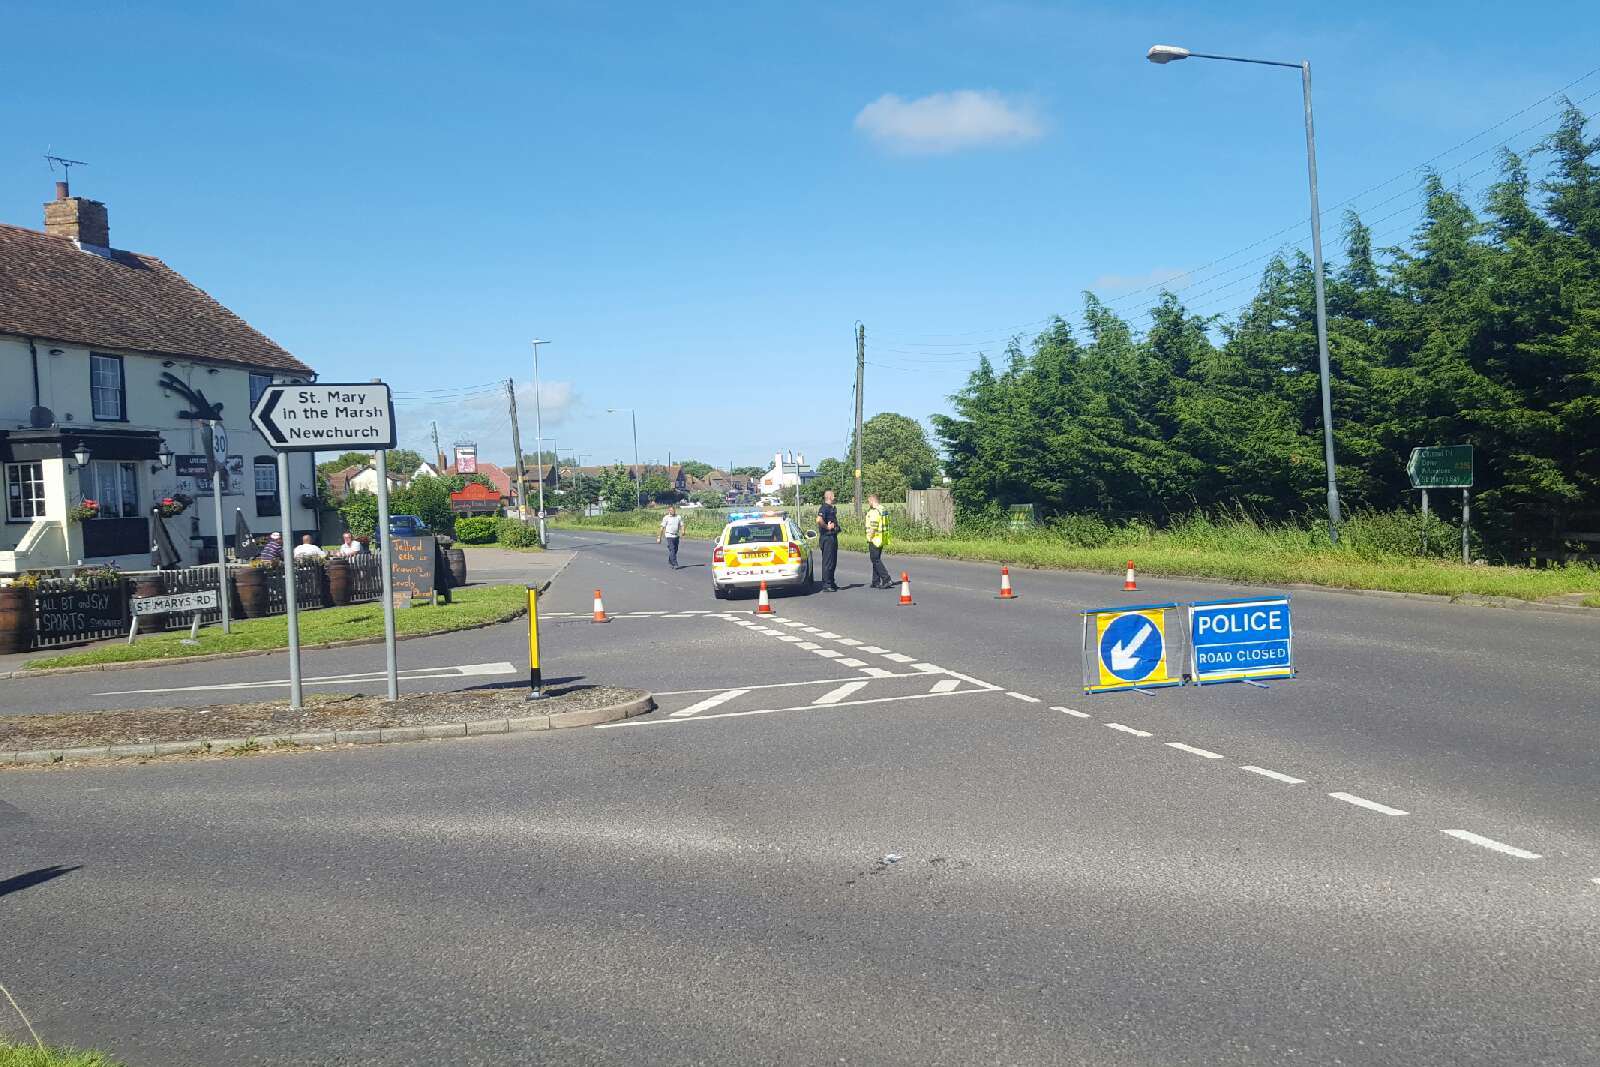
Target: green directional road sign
(1441, 467)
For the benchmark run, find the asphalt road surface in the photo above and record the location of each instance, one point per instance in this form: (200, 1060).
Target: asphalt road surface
(860, 832)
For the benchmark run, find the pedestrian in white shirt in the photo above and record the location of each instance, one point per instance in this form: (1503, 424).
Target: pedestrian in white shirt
(671, 530)
(349, 546)
(308, 551)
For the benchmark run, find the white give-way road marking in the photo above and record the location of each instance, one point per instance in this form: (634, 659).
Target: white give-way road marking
(464, 670)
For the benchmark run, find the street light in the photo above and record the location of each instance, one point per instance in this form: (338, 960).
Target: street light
(538, 434)
(1167, 53)
(638, 491)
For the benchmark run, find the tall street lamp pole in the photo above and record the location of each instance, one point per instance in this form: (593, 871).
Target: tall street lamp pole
(538, 435)
(1166, 53)
(633, 416)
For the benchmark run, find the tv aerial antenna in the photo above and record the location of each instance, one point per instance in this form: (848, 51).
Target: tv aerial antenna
(65, 164)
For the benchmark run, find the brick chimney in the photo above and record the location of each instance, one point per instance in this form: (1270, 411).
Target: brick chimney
(77, 217)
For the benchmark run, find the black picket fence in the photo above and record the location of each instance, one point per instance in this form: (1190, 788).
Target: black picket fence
(92, 607)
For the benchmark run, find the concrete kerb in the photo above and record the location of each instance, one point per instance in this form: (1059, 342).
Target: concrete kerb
(381, 736)
(45, 672)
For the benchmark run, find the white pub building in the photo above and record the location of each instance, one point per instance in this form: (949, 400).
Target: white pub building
(110, 362)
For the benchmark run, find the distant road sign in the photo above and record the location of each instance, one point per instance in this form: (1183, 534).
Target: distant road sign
(177, 603)
(1231, 640)
(325, 417)
(1131, 648)
(1441, 467)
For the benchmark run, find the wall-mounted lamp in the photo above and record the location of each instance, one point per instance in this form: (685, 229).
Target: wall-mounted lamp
(163, 457)
(80, 455)
(55, 351)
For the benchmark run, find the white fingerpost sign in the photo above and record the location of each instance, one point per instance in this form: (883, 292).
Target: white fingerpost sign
(325, 417)
(332, 417)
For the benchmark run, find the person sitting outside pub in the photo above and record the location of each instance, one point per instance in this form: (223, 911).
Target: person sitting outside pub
(349, 546)
(308, 551)
(272, 551)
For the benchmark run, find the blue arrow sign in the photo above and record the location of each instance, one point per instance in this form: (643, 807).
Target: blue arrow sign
(1131, 647)
(1237, 639)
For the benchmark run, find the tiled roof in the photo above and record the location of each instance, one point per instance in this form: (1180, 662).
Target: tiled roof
(51, 289)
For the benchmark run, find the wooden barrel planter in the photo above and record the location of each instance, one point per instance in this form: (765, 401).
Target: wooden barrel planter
(16, 619)
(341, 583)
(458, 565)
(150, 585)
(250, 583)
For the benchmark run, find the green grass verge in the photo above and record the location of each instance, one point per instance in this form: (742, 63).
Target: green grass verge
(503, 548)
(471, 606)
(15, 1055)
(1241, 551)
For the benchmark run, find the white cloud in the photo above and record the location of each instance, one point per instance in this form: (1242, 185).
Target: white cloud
(949, 122)
(1121, 283)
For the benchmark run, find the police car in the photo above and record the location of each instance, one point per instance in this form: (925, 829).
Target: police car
(761, 546)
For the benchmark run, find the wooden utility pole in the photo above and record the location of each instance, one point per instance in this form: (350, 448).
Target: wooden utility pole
(861, 373)
(516, 446)
(438, 453)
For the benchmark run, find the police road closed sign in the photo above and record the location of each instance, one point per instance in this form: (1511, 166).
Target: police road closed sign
(309, 418)
(1131, 649)
(1231, 640)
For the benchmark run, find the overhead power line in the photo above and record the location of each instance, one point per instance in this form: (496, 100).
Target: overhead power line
(1196, 274)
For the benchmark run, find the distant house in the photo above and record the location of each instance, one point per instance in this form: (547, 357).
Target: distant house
(505, 483)
(113, 363)
(785, 474)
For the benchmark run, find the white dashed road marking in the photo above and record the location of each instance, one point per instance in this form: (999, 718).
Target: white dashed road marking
(1024, 697)
(897, 657)
(852, 663)
(807, 645)
(828, 652)
(945, 685)
(876, 672)
(1489, 842)
(1274, 775)
(709, 702)
(1069, 711)
(931, 668)
(1181, 747)
(833, 696)
(1370, 805)
(629, 723)
(1127, 729)
(873, 649)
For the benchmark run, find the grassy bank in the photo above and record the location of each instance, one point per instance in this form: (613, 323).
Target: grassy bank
(17, 1055)
(471, 606)
(1381, 551)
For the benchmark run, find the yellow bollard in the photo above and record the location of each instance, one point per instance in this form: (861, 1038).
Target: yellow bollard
(535, 682)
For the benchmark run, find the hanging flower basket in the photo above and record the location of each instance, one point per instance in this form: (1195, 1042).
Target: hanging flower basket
(175, 505)
(82, 512)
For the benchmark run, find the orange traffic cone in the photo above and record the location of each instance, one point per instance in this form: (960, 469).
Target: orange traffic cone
(1129, 584)
(599, 608)
(763, 605)
(905, 588)
(1005, 585)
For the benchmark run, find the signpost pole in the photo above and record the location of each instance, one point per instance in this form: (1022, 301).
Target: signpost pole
(387, 543)
(1466, 525)
(328, 417)
(535, 678)
(217, 470)
(288, 582)
(1424, 522)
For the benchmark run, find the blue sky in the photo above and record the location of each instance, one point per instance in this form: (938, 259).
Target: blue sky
(695, 203)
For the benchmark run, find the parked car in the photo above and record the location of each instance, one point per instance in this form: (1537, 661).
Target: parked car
(412, 526)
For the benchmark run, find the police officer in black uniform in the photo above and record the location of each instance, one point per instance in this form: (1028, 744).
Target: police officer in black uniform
(828, 535)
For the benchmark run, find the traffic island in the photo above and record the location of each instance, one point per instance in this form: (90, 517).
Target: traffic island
(224, 730)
